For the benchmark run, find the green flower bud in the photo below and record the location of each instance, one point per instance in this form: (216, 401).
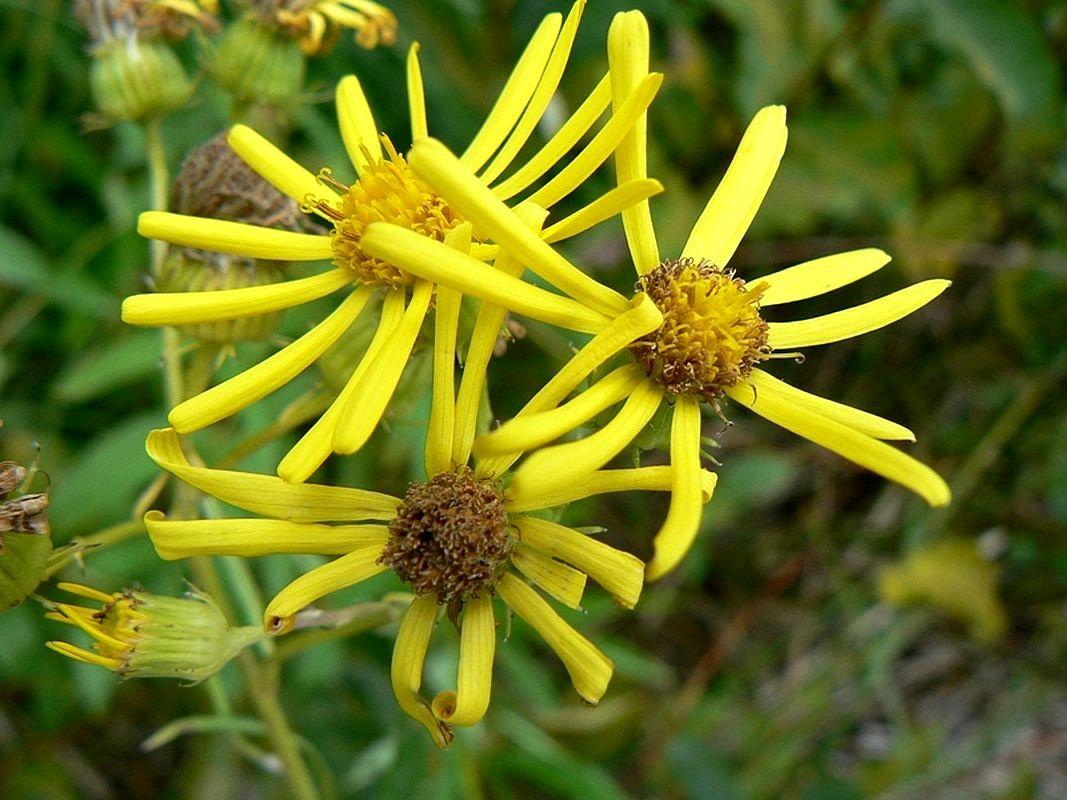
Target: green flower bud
(137, 79)
(257, 64)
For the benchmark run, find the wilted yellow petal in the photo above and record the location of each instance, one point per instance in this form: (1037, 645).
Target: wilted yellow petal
(819, 276)
(275, 167)
(590, 669)
(356, 121)
(256, 537)
(235, 238)
(474, 684)
(562, 581)
(680, 528)
(267, 495)
(79, 654)
(845, 441)
(409, 655)
(856, 320)
(730, 211)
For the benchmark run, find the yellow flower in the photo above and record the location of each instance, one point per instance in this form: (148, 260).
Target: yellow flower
(388, 190)
(694, 329)
(457, 540)
(310, 21)
(142, 635)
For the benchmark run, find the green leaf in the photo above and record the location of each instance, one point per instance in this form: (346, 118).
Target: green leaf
(116, 364)
(23, 557)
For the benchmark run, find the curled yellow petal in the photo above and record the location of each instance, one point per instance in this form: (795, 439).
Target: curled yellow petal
(275, 167)
(819, 276)
(409, 655)
(590, 669)
(477, 646)
(235, 238)
(266, 494)
(562, 581)
(680, 528)
(256, 537)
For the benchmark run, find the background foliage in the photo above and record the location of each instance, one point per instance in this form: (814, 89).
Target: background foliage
(769, 666)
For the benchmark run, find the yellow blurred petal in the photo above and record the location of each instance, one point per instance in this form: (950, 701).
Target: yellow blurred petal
(185, 308)
(78, 654)
(619, 573)
(628, 62)
(86, 620)
(276, 167)
(515, 95)
(365, 407)
(258, 381)
(680, 528)
(529, 431)
(482, 343)
(602, 145)
(553, 467)
(605, 207)
(561, 143)
(416, 95)
(539, 99)
(590, 669)
(734, 204)
(236, 238)
(409, 654)
(561, 581)
(477, 646)
(87, 592)
(266, 494)
(819, 276)
(605, 481)
(862, 421)
(256, 537)
(356, 121)
(432, 162)
(348, 570)
(315, 446)
(433, 261)
(856, 320)
(856, 447)
(642, 318)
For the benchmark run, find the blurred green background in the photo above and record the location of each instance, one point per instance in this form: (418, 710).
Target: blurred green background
(770, 665)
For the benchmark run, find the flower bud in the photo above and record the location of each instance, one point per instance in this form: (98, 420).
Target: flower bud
(138, 634)
(257, 64)
(138, 80)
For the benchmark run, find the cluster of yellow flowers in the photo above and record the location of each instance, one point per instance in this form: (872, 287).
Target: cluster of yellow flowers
(407, 241)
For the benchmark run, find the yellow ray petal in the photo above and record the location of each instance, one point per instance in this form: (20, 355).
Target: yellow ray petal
(236, 238)
(87, 592)
(85, 619)
(680, 528)
(477, 646)
(561, 143)
(483, 341)
(628, 62)
(348, 570)
(561, 581)
(186, 308)
(529, 431)
(409, 655)
(734, 204)
(600, 148)
(315, 446)
(432, 162)
(79, 654)
(819, 276)
(605, 207)
(553, 467)
(862, 421)
(515, 95)
(256, 537)
(856, 320)
(356, 121)
(258, 381)
(416, 95)
(433, 261)
(619, 573)
(267, 495)
(605, 481)
(365, 407)
(642, 318)
(856, 447)
(275, 167)
(539, 99)
(590, 669)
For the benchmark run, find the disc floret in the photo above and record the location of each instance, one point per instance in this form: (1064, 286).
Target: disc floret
(387, 191)
(712, 333)
(450, 537)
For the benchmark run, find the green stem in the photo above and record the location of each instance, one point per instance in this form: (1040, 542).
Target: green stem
(159, 183)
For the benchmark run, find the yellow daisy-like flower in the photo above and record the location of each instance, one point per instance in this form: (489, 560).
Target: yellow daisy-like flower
(311, 20)
(387, 190)
(709, 335)
(138, 634)
(457, 540)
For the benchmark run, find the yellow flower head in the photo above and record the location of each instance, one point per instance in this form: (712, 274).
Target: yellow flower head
(695, 330)
(315, 23)
(141, 635)
(387, 190)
